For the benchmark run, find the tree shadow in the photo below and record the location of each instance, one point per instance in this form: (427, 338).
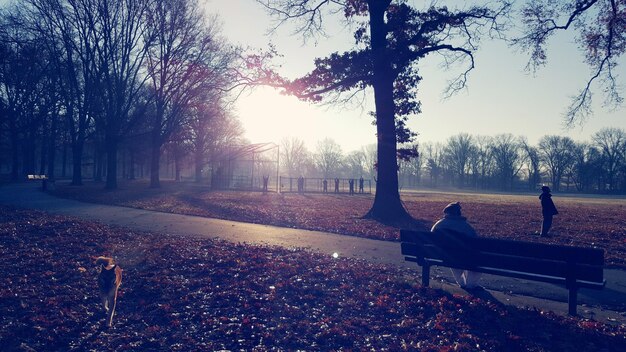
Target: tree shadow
(402, 222)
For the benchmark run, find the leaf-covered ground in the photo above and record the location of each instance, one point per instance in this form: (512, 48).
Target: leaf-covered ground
(581, 222)
(190, 294)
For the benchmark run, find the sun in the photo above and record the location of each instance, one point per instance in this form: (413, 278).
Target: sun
(269, 116)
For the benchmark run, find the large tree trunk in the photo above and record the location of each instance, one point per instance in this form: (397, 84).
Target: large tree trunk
(199, 157)
(77, 143)
(43, 155)
(28, 150)
(98, 164)
(155, 159)
(15, 157)
(387, 207)
(177, 167)
(52, 148)
(64, 161)
(111, 148)
(77, 159)
(131, 166)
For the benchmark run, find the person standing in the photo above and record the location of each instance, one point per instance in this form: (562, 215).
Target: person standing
(454, 221)
(548, 210)
(265, 182)
(300, 184)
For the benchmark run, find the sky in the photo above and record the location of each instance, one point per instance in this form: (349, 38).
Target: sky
(500, 98)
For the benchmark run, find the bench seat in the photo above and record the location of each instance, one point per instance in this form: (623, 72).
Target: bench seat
(573, 267)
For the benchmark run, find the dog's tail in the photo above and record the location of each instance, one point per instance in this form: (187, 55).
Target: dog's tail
(104, 261)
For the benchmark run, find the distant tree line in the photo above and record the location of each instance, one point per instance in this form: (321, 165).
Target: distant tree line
(327, 160)
(491, 163)
(508, 163)
(109, 87)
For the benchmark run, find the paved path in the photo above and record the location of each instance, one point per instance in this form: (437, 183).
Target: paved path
(609, 303)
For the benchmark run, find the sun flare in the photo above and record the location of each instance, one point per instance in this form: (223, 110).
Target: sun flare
(268, 116)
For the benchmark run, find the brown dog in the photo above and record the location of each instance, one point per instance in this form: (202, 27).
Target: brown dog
(109, 281)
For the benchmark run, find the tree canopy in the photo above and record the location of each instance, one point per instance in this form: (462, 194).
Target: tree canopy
(390, 39)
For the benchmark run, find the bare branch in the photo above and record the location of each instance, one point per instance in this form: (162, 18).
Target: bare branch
(306, 15)
(601, 37)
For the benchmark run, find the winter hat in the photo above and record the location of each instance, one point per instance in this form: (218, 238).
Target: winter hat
(545, 189)
(453, 209)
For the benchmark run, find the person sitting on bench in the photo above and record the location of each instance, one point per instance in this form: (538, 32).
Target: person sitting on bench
(453, 220)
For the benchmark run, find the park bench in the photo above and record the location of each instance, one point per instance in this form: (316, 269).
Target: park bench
(36, 177)
(574, 267)
(43, 178)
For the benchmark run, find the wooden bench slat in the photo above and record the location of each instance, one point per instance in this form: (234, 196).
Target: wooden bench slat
(540, 266)
(530, 266)
(583, 255)
(538, 277)
(525, 249)
(457, 256)
(587, 255)
(573, 267)
(518, 275)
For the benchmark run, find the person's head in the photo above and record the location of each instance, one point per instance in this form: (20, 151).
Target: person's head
(453, 209)
(545, 189)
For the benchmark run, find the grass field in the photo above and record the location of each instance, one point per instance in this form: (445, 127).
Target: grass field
(583, 221)
(181, 293)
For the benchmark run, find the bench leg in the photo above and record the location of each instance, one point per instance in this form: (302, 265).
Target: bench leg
(425, 275)
(572, 300)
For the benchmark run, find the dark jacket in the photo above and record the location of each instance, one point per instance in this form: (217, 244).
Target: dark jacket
(547, 205)
(455, 223)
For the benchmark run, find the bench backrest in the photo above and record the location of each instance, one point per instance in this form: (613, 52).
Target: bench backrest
(37, 177)
(457, 250)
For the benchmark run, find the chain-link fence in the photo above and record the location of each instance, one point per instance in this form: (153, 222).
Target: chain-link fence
(322, 185)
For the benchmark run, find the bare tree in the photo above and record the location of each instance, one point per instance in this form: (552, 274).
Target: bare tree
(65, 25)
(186, 58)
(612, 143)
(328, 157)
(294, 156)
(370, 153)
(391, 38)
(601, 28)
(26, 80)
(458, 151)
(533, 166)
(481, 161)
(199, 124)
(211, 130)
(433, 153)
(506, 151)
(203, 116)
(557, 154)
(97, 56)
(410, 170)
(118, 32)
(354, 163)
(587, 166)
